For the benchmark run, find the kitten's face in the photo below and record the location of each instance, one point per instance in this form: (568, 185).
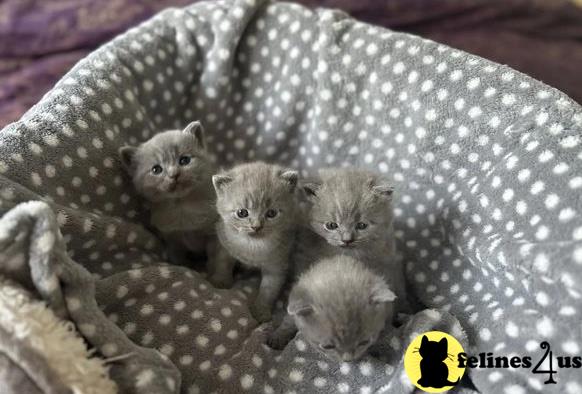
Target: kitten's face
(256, 199)
(350, 209)
(170, 165)
(344, 334)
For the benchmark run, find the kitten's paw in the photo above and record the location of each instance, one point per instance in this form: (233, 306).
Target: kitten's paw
(260, 312)
(277, 341)
(221, 282)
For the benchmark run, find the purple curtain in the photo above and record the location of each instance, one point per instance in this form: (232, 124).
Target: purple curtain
(41, 39)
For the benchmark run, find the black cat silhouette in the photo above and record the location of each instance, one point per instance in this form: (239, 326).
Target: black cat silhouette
(434, 372)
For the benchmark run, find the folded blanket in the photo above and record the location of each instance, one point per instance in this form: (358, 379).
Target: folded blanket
(44, 350)
(484, 161)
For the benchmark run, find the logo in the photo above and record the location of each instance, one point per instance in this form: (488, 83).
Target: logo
(490, 360)
(431, 362)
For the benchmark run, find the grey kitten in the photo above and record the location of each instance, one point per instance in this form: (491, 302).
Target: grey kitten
(339, 306)
(257, 204)
(351, 214)
(173, 172)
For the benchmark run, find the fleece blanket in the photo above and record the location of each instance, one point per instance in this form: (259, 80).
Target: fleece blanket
(485, 161)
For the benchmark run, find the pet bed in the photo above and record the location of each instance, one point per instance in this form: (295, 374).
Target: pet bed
(485, 162)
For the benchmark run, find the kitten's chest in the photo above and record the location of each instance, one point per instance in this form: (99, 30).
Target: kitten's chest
(255, 252)
(198, 216)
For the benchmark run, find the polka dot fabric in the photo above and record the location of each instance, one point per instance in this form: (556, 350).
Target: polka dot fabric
(486, 163)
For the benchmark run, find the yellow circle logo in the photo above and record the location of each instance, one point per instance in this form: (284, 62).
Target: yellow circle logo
(431, 362)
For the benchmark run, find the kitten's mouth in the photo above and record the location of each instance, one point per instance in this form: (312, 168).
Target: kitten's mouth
(178, 187)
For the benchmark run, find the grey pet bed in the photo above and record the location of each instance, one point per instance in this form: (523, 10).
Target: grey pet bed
(486, 163)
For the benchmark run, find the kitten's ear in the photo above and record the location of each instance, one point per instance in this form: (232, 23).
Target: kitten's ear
(383, 190)
(219, 181)
(299, 304)
(126, 154)
(443, 342)
(311, 189)
(196, 130)
(296, 309)
(424, 340)
(382, 294)
(290, 177)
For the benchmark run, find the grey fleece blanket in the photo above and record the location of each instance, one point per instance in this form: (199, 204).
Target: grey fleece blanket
(486, 163)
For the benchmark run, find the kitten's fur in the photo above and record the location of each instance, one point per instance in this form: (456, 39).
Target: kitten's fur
(347, 197)
(256, 240)
(337, 303)
(181, 196)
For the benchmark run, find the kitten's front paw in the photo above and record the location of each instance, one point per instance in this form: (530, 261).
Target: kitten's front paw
(260, 312)
(221, 282)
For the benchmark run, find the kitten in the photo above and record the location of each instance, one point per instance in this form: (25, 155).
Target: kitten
(340, 307)
(173, 172)
(257, 204)
(351, 214)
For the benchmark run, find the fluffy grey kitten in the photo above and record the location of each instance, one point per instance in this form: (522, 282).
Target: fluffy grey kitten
(351, 214)
(173, 172)
(257, 204)
(339, 306)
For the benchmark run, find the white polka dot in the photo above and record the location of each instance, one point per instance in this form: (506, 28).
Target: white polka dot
(109, 349)
(247, 381)
(542, 298)
(225, 372)
(88, 329)
(571, 347)
(366, 368)
(573, 388)
(202, 340)
(295, 376)
(257, 361)
(73, 304)
(319, 382)
(545, 327)
(485, 334)
(514, 389)
(511, 329)
(144, 378)
(147, 309)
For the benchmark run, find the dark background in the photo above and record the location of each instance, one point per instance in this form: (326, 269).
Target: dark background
(41, 39)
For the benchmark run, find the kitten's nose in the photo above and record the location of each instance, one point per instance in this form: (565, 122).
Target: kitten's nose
(173, 172)
(347, 241)
(256, 227)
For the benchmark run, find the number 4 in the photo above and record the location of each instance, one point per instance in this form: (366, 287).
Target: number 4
(550, 371)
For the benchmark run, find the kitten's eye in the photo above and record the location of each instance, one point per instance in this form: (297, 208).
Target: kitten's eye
(364, 343)
(157, 169)
(271, 213)
(361, 226)
(331, 226)
(242, 213)
(184, 160)
(328, 346)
